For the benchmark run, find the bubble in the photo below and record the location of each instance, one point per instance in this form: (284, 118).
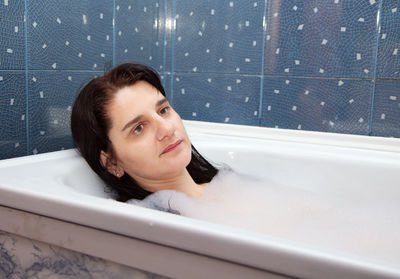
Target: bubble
(360, 226)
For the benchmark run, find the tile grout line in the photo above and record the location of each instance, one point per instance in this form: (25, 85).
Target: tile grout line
(280, 76)
(26, 77)
(374, 80)
(173, 27)
(220, 74)
(114, 23)
(165, 38)
(262, 63)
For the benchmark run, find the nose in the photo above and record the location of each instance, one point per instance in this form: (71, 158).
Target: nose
(165, 128)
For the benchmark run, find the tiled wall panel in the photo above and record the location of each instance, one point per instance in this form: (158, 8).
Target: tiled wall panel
(321, 38)
(387, 109)
(140, 30)
(12, 35)
(12, 114)
(344, 53)
(219, 36)
(216, 98)
(389, 41)
(69, 35)
(326, 105)
(51, 95)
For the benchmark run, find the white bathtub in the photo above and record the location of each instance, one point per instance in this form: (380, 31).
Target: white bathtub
(55, 198)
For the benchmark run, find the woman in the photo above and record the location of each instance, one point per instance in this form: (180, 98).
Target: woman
(132, 138)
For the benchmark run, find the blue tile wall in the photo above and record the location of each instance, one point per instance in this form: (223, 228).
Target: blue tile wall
(12, 35)
(69, 35)
(12, 114)
(387, 109)
(51, 95)
(321, 38)
(389, 41)
(331, 66)
(327, 105)
(140, 30)
(217, 98)
(219, 36)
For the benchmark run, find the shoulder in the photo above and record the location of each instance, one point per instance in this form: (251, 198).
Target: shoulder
(158, 201)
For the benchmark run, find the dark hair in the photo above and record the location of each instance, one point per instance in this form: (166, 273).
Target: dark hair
(90, 125)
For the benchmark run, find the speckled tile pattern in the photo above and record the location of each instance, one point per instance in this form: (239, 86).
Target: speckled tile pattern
(329, 66)
(325, 105)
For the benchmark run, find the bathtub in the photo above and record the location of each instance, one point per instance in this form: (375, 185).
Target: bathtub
(55, 198)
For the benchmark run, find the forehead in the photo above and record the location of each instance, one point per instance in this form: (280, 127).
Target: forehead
(133, 100)
(136, 95)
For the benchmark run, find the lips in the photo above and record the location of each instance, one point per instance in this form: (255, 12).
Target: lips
(172, 147)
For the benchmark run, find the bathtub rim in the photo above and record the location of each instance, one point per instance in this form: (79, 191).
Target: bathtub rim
(300, 136)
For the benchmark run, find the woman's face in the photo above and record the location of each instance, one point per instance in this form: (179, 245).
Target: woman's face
(147, 135)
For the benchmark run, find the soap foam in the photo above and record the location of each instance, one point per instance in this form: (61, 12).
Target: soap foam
(348, 226)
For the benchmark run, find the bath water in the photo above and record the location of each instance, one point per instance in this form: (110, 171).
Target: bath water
(366, 227)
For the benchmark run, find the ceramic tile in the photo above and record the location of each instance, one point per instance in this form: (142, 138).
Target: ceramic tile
(169, 34)
(208, 97)
(140, 28)
(219, 36)
(327, 105)
(386, 121)
(12, 34)
(70, 35)
(166, 82)
(389, 40)
(321, 38)
(12, 115)
(51, 96)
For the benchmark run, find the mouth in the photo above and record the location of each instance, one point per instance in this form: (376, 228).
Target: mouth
(171, 147)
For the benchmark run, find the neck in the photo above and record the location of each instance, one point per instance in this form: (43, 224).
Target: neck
(182, 183)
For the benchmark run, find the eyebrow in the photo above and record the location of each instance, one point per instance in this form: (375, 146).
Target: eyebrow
(137, 118)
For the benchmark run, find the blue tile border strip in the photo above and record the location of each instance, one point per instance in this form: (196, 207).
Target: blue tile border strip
(173, 26)
(165, 37)
(26, 18)
(114, 22)
(262, 62)
(378, 25)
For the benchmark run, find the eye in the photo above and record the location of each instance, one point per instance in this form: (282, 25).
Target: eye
(164, 110)
(138, 129)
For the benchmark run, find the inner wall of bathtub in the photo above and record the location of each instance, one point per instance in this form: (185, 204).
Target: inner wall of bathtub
(82, 179)
(324, 169)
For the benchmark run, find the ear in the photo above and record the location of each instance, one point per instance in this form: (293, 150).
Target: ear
(111, 165)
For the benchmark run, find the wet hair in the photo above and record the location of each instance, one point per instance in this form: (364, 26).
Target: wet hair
(90, 125)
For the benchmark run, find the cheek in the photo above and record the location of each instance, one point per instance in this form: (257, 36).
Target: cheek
(137, 155)
(181, 127)
(139, 164)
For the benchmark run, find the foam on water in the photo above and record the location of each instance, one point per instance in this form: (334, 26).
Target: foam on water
(363, 227)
